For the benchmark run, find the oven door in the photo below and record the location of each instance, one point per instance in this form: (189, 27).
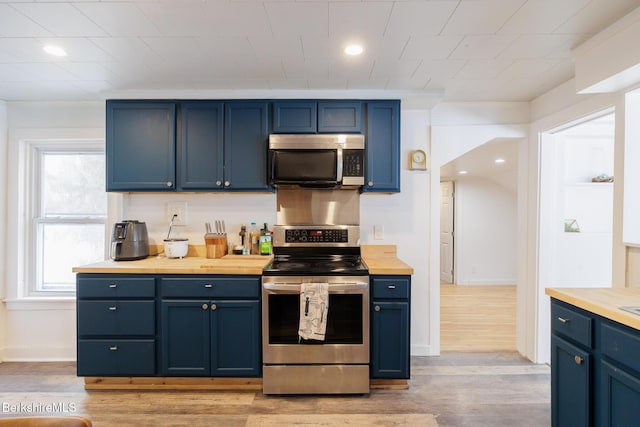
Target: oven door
(347, 334)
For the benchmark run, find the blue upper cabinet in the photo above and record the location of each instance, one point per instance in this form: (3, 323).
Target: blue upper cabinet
(200, 145)
(140, 147)
(246, 141)
(382, 146)
(308, 116)
(295, 116)
(339, 116)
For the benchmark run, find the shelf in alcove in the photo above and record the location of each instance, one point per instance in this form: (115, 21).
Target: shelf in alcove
(587, 184)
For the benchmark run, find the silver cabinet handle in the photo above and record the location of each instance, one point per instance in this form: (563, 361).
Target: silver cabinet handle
(218, 183)
(370, 183)
(113, 348)
(391, 286)
(208, 285)
(213, 306)
(113, 308)
(377, 308)
(205, 306)
(169, 184)
(113, 286)
(578, 360)
(227, 183)
(563, 320)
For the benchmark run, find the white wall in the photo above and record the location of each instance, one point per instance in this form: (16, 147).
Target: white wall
(38, 328)
(486, 232)
(3, 216)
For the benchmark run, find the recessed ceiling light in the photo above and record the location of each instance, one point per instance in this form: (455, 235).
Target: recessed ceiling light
(54, 50)
(354, 49)
(500, 160)
(462, 172)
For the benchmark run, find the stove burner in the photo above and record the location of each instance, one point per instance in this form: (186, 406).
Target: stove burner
(320, 264)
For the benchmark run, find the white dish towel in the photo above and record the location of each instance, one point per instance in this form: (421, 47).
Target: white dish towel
(314, 307)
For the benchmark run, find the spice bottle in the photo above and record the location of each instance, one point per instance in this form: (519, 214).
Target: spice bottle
(244, 239)
(254, 239)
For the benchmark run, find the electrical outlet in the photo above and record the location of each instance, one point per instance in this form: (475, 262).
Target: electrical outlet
(378, 232)
(180, 210)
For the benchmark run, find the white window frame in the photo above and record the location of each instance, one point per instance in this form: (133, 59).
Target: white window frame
(34, 150)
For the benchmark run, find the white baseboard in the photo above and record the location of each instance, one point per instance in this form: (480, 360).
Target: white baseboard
(423, 350)
(31, 354)
(497, 282)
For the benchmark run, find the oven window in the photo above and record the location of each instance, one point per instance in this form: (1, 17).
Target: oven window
(344, 320)
(305, 165)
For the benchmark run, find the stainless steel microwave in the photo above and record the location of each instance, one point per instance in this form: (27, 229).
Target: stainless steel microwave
(316, 160)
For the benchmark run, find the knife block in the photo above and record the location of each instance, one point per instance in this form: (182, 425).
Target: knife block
(216, 245)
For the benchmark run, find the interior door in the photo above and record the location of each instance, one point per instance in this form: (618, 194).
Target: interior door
(446, 231)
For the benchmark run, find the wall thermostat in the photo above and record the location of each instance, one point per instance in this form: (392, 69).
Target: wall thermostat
(418, 160)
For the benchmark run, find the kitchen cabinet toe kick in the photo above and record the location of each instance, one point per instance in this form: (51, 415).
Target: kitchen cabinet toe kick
(201, 383)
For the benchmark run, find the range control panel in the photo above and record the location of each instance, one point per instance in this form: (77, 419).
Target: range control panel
(316, 236)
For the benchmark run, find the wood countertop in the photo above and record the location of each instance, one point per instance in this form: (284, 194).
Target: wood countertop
(380, 259)
(383, 259)
(605, 302)
(229, 264)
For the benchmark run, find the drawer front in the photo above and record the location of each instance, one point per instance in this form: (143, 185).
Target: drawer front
(390, 287)
(621, 345)
(125, 318)
(116, 357)
(116, 287)
(210, 287)
(572, 324)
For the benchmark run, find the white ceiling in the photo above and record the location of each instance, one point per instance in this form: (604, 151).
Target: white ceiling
(457, 50)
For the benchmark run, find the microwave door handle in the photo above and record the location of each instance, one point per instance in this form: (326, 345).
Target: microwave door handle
(339, 168)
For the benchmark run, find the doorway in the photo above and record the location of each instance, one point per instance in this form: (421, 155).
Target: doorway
(478, 247)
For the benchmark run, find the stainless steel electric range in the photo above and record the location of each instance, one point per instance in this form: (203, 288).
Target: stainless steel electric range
(339, 363)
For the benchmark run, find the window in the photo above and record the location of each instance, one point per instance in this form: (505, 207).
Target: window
(68, 213)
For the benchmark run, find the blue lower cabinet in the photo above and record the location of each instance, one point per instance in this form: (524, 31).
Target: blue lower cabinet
(116, 357)
(390, 326)
(620, 397)
(571, 382)
(211, 338)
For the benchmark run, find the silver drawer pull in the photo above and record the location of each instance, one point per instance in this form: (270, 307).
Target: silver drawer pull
(208, 285)
(113, 348)
(113, 308)
(563, 320)
(578, 360)
(377, 308)
(391, 286)
(113, 286)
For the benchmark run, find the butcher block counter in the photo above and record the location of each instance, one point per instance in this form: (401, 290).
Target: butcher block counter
(380, 259)
(605, 302)
(229, 264)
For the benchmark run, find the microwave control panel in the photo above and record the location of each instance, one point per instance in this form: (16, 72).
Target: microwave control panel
(316, 236)
(352, 162)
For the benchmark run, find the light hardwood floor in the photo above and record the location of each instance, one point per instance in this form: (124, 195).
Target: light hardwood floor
(451, 390)
(477, 318)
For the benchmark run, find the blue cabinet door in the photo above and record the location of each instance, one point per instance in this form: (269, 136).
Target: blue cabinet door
(620, 397)
(339, 116)
(185, 338)
(382, 146)
(200, 145)
(390, 339)
(246, 143)
(140, 145)
(571, 384)
(295, 116)
(235, 338)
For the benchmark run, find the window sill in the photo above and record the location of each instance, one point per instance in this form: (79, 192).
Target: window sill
(41, 303)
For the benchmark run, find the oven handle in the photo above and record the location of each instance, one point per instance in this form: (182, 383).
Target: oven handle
(349, 286)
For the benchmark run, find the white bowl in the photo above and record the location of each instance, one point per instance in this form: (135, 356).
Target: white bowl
(176, 248)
